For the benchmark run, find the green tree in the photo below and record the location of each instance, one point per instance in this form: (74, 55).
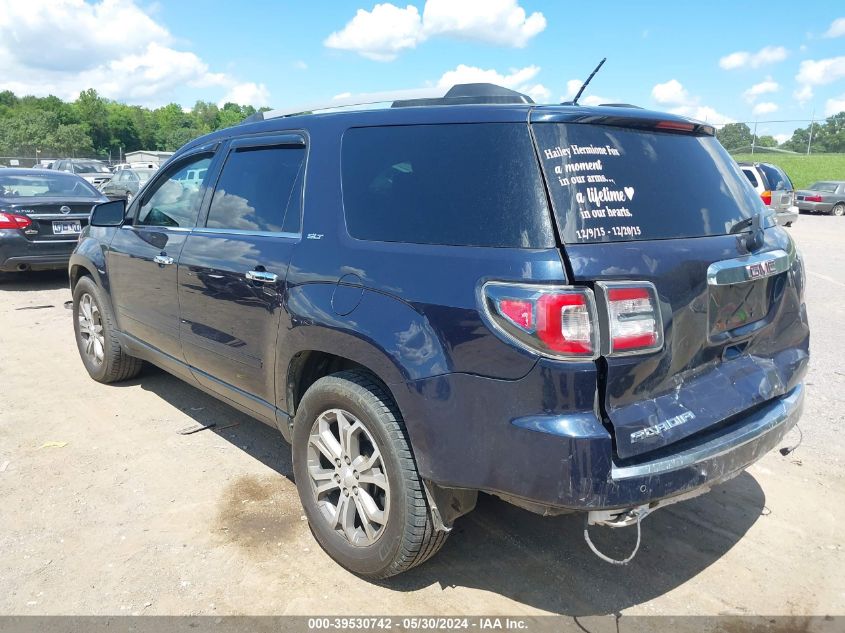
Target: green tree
(734, 136)
(766, 141)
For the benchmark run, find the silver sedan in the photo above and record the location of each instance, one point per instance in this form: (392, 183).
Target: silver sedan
(826, 196)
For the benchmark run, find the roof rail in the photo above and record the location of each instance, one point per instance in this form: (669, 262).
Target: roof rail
(478, 93)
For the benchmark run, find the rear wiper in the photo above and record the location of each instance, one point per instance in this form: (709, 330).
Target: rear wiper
(755, 237)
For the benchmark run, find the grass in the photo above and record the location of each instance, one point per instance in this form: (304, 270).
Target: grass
(803, 170)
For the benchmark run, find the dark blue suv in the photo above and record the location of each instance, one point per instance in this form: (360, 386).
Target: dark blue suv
(577, 309)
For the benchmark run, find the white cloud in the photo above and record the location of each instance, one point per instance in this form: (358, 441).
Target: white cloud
(300, 65)
(387, 30)
(746, 59)
(782, 138)
(61, 47)
(670, 92)
(501, 22)
(248, 93)
(765, 107)
(673, 93)
(380, 34)
(764, 87)
(822, 71)
(817, 72)
(837, 28)
(518, 79)
(835, 105)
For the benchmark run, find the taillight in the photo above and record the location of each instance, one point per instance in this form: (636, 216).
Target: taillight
(812, 198)
(766, 196)
(12, 221)
(557, 321)
(570, 323)
(632, 310)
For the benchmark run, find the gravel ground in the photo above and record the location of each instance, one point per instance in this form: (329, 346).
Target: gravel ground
(106, 509)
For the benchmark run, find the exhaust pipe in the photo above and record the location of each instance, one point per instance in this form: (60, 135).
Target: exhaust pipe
(23, 267)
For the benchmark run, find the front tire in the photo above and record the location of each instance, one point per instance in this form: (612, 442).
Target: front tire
(838, 210)
(96, 339)
(357, 478)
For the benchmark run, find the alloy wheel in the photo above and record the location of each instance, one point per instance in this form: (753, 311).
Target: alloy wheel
(348, 478)
(91, 329)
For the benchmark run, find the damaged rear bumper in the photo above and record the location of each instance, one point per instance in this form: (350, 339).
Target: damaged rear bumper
(471, 432)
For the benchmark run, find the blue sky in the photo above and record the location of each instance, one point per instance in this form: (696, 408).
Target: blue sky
(728, 61)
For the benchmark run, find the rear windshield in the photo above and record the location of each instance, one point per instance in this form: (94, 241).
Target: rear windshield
(829, 187)
(778, 180)
(45, 187)
(611, 184)
(453, 184)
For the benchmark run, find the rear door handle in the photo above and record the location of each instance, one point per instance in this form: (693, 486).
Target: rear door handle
(163, 260)
(262, 276)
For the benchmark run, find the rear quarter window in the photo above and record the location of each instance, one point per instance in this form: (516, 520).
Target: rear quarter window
(610, 184)
(455, 184)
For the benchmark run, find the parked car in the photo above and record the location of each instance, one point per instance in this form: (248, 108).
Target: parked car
(775, 189)
(93, 171)
(827, 196)
(135, 165)
(41, 215)
(126, 183)
(577, 309)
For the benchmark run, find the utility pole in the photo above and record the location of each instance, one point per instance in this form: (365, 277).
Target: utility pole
(812, 122)
(754, 139)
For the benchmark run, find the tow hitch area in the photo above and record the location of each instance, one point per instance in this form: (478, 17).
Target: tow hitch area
(629, 516)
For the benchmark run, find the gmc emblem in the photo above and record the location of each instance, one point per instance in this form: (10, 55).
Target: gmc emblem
(760, 269)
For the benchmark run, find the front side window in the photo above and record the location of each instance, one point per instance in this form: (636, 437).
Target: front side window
(452, 184)
(259, 189)
(175, 199)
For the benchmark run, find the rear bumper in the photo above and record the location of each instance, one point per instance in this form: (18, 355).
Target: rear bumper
(464, 437)
(814, 207)
(17, 251)
(787, 217)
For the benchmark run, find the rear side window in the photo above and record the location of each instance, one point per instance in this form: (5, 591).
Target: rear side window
(460, 185)
(259, 190)
(751, 177)
(611, 184)
(778, 180)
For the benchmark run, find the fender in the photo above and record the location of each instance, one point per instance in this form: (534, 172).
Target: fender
(382, 333)
(89, 255)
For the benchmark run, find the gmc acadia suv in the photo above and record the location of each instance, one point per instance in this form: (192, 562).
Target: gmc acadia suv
(577, 309)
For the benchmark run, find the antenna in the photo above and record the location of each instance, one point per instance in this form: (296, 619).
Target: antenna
(586, 83)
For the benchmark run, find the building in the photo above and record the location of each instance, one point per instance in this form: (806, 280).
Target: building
(147, 156)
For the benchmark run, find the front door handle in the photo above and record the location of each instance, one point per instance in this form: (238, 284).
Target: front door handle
(262, 276)
(163, 260)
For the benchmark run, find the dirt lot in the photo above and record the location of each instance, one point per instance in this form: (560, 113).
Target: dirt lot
(106, 509)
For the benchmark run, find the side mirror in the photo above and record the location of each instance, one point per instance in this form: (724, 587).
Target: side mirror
(108, 213)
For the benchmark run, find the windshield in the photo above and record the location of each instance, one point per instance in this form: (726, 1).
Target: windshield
(611, 184)
(41, 186)
(144, 174)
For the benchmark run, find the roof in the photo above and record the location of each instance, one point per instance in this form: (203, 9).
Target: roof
(443, 114)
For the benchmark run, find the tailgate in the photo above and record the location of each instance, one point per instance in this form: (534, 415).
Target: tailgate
(730, 342)
(658, 202)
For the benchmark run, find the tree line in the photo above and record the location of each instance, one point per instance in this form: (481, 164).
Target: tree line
(92, 126)
(828, 136)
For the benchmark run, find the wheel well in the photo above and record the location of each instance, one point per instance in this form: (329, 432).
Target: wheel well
(308, 367)
(77, 272)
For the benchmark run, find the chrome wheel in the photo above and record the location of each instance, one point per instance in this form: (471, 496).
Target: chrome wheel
(91, 329)
(348, 478)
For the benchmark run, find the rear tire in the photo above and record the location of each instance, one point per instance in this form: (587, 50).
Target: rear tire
(838, 210)
(375, 530)
(96, 339)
